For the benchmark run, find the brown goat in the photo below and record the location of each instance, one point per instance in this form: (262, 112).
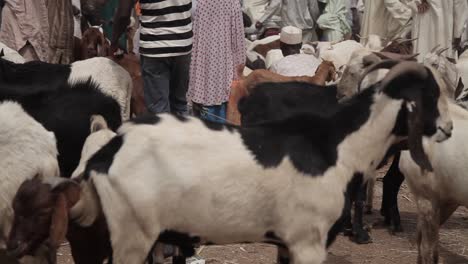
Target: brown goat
(131, 63)
(325, 72)
(44, 215)
(94, 44)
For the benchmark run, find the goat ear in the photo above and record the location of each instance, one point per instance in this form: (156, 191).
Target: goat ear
(71, 191)
(59, 225)
(2, 53)
(98, 123)
(415, 133)
(103, 47)
(451, 60)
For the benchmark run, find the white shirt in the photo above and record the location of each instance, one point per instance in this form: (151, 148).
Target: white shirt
(296, 65)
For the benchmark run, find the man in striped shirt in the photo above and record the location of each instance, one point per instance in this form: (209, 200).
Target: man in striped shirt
(165, 46)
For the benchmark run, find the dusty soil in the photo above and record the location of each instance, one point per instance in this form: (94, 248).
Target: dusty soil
(385, 249)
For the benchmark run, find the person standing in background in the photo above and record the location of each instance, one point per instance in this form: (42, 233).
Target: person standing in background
(388, 19)
(302, 14)
(165, 47)
(438, 22)
(335, 20)
(25, 28)
(218, 54)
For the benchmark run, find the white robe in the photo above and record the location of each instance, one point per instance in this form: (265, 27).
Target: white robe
(255, 9)
(440, 25)
(386, 18)
(334, 20)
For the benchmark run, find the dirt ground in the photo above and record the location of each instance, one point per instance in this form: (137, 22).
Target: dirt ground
(385, 249)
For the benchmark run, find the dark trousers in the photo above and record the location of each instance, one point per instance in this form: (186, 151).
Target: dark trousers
(165, 83)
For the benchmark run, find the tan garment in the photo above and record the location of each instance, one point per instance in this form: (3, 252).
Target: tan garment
(61, 31)
(26, 21)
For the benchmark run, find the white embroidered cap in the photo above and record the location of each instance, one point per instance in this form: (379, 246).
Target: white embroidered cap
(291, 35)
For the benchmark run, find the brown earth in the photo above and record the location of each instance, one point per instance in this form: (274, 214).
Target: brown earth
(385, 249)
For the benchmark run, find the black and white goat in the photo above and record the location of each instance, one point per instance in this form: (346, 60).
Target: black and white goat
(279, 181)
(112, 79)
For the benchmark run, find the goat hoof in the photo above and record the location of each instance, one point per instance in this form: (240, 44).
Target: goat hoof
(362, 238)
(178, 260)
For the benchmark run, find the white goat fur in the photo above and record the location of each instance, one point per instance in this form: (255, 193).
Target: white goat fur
(113, 80)
(439, 193)
(224, 194)
(339, 53)
(28, 149)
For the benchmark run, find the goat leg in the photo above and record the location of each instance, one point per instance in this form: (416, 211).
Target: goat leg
(283, 255)
(428, 231)
(360, 235)
(391, 186)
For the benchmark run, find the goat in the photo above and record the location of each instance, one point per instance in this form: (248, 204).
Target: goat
(113, 80)
(394, 178)
(28, 149)
(325, 72)
(270, 172)
(438, 193)
(94, 44)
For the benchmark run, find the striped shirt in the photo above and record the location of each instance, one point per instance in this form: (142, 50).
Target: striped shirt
(166, 28)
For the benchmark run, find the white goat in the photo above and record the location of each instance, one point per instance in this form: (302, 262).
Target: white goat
(113, 80)
(28, 149)
(439, 193)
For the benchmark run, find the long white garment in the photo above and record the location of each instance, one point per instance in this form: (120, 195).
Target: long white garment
(334, 21)
(302, 14)
(386, 18)
(256, 9)
(440, 25)
(296, 65)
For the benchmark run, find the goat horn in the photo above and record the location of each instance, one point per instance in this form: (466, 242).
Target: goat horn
(402, 67)
(441, 51)
(385, 64)
(435, 48)
(407, 40)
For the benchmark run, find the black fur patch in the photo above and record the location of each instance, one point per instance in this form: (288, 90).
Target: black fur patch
(31, 78)
(146, 119)
(66, 111)
(309, 135)
(103, 158)
(408, 88)
(337, 227)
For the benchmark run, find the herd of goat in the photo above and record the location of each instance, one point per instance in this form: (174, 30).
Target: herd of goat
(79, 163)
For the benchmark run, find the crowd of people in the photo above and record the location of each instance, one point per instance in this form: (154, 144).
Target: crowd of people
(191, 51)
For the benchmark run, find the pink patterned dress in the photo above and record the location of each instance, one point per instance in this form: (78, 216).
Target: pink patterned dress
(218, 48)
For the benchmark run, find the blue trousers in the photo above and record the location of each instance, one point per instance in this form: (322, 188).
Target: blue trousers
(165, 83)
